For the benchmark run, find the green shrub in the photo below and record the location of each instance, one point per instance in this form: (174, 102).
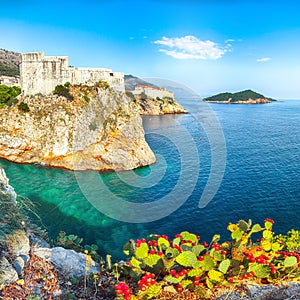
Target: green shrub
(74, 242)
(143, 96)
(8, 94)
(23, 107)
(102, 84)
(63, 90)
(93, 127)
(130, 95)
(12, 101)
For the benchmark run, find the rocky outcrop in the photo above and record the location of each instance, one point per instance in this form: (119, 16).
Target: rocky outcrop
(151, 106)
(99, 130)
(17, 248)
(14, 243)
(6, 191)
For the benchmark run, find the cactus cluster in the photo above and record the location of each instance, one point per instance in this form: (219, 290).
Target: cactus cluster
(185, 262)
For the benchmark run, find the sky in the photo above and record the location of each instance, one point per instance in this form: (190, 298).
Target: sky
(211, 46)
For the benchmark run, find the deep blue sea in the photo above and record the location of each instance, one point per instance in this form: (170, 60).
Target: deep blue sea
(257, 146)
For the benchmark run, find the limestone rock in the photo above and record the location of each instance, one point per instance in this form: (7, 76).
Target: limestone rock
(18, 243)
(12, 238)
(99, 130)
(5, 188)
(285, 291)
(7, 273)
(19, 263)
(151, 106)
(69, 262)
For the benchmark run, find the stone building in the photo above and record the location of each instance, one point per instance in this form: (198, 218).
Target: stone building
(41, 74)
(10, 80)
(152, 92)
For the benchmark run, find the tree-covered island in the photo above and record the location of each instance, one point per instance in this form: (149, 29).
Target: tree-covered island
(243, 97)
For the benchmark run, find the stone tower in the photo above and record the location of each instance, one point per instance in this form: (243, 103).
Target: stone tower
(41, 74)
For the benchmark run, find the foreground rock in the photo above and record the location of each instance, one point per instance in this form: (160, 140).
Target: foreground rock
(14, 243)
(69, 262)
(285, 291)
(17, 250)
(99, 130)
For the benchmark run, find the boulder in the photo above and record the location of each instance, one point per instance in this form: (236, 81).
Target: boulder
(7, 273)
(71, 263)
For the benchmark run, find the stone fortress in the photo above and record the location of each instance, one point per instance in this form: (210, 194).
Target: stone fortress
(152, 92)
(41, 74)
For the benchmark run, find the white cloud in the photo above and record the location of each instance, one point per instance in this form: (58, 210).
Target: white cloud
(263, 59)
(190, 47)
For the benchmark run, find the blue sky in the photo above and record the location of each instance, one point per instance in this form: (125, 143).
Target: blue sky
(210, 46)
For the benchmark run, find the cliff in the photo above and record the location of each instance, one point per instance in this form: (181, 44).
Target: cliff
(243, 97)
(99, 129)
(158, 106)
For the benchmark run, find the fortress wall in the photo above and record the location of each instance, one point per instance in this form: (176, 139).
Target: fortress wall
(153, 92)
(91, 76)
(41, 74)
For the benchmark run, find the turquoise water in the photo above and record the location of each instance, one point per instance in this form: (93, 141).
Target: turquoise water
(261, 179)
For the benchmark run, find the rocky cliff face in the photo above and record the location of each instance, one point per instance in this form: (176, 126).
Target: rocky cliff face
(99, 130)
(151, 106)
(22, 258)
(160, 107)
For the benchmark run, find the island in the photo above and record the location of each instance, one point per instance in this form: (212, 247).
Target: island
(243, 97)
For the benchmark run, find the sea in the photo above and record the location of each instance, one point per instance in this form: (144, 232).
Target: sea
(218, 164)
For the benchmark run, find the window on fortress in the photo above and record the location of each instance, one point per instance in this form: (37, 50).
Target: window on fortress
(111, 74)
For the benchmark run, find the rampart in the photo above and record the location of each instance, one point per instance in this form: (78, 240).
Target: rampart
(41, 74)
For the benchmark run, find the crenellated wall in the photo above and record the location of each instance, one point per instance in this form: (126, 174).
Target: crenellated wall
(41, 74)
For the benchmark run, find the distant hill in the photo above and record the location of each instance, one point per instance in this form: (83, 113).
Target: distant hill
(248, 96)
(9, 63)
(132, 81)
